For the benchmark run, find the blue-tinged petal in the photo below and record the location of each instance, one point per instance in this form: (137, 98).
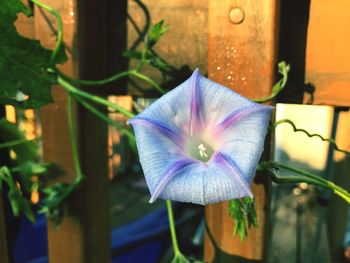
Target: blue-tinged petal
(218, 102)
(168, 175)
(235, 116)
(195, 122)
(244, 141)
(173, 108)
(205, 183)
(157, 153)
(200, 119)
(192, 181)
(162, 129)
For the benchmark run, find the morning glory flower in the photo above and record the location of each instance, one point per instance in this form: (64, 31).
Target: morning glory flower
(200, 142)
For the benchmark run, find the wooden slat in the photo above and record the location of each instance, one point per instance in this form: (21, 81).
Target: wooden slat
(84, 233)
(56, 144)
(241, 56)
(92, 37)
(328, 55)
(192, 52)
(338, 209)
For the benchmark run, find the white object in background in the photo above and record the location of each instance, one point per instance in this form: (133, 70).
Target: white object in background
(296, 148)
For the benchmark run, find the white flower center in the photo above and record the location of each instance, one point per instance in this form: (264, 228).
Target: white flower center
(199, 149)
(202, 151)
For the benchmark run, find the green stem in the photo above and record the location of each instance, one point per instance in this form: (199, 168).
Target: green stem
(96, 82)
(75, 91)
(14, 143)
(115, 77)
(172, 228)
(332, 141)
(59, 29)
(148, 80)
(283, 69)
(309, 178)
(103, 117)
(129, 73)
(73, 141)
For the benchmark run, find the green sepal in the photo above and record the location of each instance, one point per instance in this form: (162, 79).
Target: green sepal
(155, 32)
(179, 258)
(244, 216)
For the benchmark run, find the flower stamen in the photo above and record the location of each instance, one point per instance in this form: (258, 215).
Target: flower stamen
(198, 149)
(202, 151)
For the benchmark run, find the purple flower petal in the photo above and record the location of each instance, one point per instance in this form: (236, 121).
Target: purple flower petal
(237, 176)
(202, 148)
(175, 135)
(235, 116)
(195, 124)
(168, 175)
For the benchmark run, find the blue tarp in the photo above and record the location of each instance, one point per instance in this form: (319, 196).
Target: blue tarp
(143, 240)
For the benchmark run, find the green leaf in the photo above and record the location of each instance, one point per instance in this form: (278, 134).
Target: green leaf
(25, 81)
(26, 151)
(244, 216)
(18, 202)
(155, 33)
(9, 9)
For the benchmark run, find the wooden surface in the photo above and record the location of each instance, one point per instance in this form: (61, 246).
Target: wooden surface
(184, 45)
(242, 57)
(338, 219)
(84, 233)
(66, 243)
(328, 56)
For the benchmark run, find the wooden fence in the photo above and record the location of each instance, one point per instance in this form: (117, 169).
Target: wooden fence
(237, 42)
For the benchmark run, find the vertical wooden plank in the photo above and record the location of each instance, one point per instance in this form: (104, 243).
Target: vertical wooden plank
(65, 244)
(93, 53)
(84, 233)
(327, 52)
(190, 54)
(338, 208)
(241, 56)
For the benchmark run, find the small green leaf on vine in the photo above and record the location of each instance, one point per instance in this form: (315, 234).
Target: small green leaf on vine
(244, 216)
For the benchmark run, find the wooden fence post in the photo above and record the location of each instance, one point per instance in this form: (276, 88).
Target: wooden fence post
(84, 235)
(242, 56)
